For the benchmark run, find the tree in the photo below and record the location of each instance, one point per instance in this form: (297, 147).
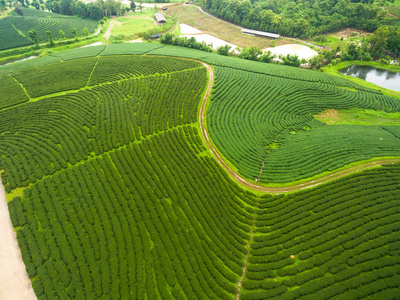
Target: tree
(351, 52)
(393, 41)
(290, 60)
(49, 35)
(74, 32)
(167, 38)
(86, 31)
(34, 37)
(250, 53)
(378, 42)
(19, 11)
(62, 34)
(81, 9)
(133, 6)
(267, 57)
(65, 7)
(35, 4)
(55, 7)
(3, 7)
(94, 11)
(224, 50)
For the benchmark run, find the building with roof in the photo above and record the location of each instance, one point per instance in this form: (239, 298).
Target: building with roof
(260, 33)
(160, 18)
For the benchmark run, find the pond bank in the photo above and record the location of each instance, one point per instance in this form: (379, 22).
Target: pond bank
(334, 70)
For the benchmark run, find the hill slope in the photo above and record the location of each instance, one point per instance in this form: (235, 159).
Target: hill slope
(14, 29)
(118, 197)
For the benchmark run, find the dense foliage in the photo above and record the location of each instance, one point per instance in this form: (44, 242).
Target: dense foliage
(14, 29)
(119, 198)
(265, 123)
(297, 18)
(94, 10)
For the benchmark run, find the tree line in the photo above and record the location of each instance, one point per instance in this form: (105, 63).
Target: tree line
(301, 19)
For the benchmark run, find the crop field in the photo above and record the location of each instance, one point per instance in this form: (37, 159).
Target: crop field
(114, 194)
(264, 125)
(14, 29)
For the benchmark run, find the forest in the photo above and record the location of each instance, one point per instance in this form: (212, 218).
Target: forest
(301, 19)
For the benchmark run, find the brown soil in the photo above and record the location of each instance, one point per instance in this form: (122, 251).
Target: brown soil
(273, 190)
(328, 116)
(110, 28)
(346, 33)
(389, 14)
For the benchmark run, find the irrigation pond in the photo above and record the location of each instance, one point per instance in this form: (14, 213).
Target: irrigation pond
(383, 78)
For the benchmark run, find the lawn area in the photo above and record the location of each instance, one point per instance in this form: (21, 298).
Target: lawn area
(358, 116)
(136, 24)
(191, 15)
(132, 25)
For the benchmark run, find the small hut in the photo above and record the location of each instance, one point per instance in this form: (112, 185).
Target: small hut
(160, 18)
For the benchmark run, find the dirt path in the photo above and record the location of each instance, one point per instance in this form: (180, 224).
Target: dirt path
(389, 14)
(110, 27)
(255, 187)
(14, 281)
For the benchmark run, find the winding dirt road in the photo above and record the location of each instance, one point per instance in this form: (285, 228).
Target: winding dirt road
(273, 190)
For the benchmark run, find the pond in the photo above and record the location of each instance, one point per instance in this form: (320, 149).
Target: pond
(383, 78)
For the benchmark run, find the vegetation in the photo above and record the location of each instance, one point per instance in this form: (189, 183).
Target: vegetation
(264, 125)
(358, 116)
(118, 196)
(288, 18)
(138, 25)
(15, 31)
(192, 16)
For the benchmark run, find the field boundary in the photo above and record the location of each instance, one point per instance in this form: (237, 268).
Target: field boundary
(273, 190)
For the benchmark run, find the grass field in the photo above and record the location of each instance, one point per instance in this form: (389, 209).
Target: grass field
(113, 193)
(130, 26)
(192, 16)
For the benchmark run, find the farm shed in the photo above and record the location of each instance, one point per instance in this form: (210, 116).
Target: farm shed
(155, 36)
(160, 18)
(260, 33)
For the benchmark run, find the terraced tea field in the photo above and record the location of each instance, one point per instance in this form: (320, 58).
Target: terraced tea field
(114, 193)
(264, 125)
(14, 29)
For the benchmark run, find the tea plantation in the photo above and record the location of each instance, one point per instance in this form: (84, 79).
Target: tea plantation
(264, 125)
(114, 195)
(14, 29)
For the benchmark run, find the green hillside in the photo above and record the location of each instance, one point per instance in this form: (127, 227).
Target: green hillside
(14, 29)
(264, 124)
(114, 195)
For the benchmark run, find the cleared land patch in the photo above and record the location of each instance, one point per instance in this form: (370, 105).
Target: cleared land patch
(358, 116)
